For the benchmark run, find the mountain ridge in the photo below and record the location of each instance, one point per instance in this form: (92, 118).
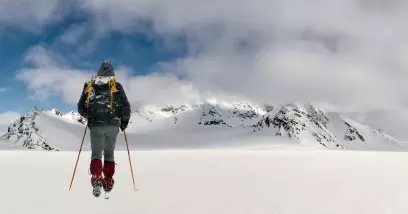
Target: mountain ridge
(303, 123)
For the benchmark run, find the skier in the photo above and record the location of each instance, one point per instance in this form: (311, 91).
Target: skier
(104, 104)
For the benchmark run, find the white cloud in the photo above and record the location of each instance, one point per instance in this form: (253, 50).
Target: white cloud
(46, 80)
(74, 33)
(348, 53)
(161, 90)
(30, 15)
(3, 90)
(8, 117)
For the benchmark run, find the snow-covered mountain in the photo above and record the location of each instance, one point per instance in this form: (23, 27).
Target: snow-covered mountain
(44, 130)
(392, 121)
(309, 125)
(207, 124)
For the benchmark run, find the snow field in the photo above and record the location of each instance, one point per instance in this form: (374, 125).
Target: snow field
(223, 181)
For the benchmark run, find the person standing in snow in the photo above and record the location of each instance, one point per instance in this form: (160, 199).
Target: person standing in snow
(104, 104)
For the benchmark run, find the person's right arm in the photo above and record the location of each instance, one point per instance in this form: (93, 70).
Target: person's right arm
(125, 109)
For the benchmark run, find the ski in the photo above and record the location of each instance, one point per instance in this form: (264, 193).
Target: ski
(106, 195)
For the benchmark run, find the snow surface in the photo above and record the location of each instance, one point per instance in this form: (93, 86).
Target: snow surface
(247, 159)
(278, 181)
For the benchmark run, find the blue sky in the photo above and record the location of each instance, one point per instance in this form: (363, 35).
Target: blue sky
(138, 51)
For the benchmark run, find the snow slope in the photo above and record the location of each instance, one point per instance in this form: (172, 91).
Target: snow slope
(226, 181)
(43, 130)
(393, 122)
(206, 125)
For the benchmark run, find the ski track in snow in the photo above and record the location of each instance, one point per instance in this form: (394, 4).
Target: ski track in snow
(223, 181)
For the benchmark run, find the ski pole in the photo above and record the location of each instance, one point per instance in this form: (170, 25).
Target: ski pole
(80, 149)
(130, 161)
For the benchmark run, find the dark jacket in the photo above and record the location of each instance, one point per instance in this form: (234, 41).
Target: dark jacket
(121, 103)
(122, 106)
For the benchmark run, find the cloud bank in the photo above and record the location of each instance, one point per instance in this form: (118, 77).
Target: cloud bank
(8, 117)
(45, 80)
(346, 53)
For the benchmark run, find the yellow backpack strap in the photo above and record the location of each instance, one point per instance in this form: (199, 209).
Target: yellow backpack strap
(113, 89)
(89, 89)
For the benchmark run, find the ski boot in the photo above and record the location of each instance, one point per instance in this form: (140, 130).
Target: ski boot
(97, 186)
(96, 179)
(108, 172)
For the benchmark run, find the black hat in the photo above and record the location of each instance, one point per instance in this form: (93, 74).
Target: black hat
(106, 70)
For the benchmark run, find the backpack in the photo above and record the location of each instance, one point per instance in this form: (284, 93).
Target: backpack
(100, 100)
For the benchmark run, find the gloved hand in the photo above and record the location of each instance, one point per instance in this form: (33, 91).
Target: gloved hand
(123, 125)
